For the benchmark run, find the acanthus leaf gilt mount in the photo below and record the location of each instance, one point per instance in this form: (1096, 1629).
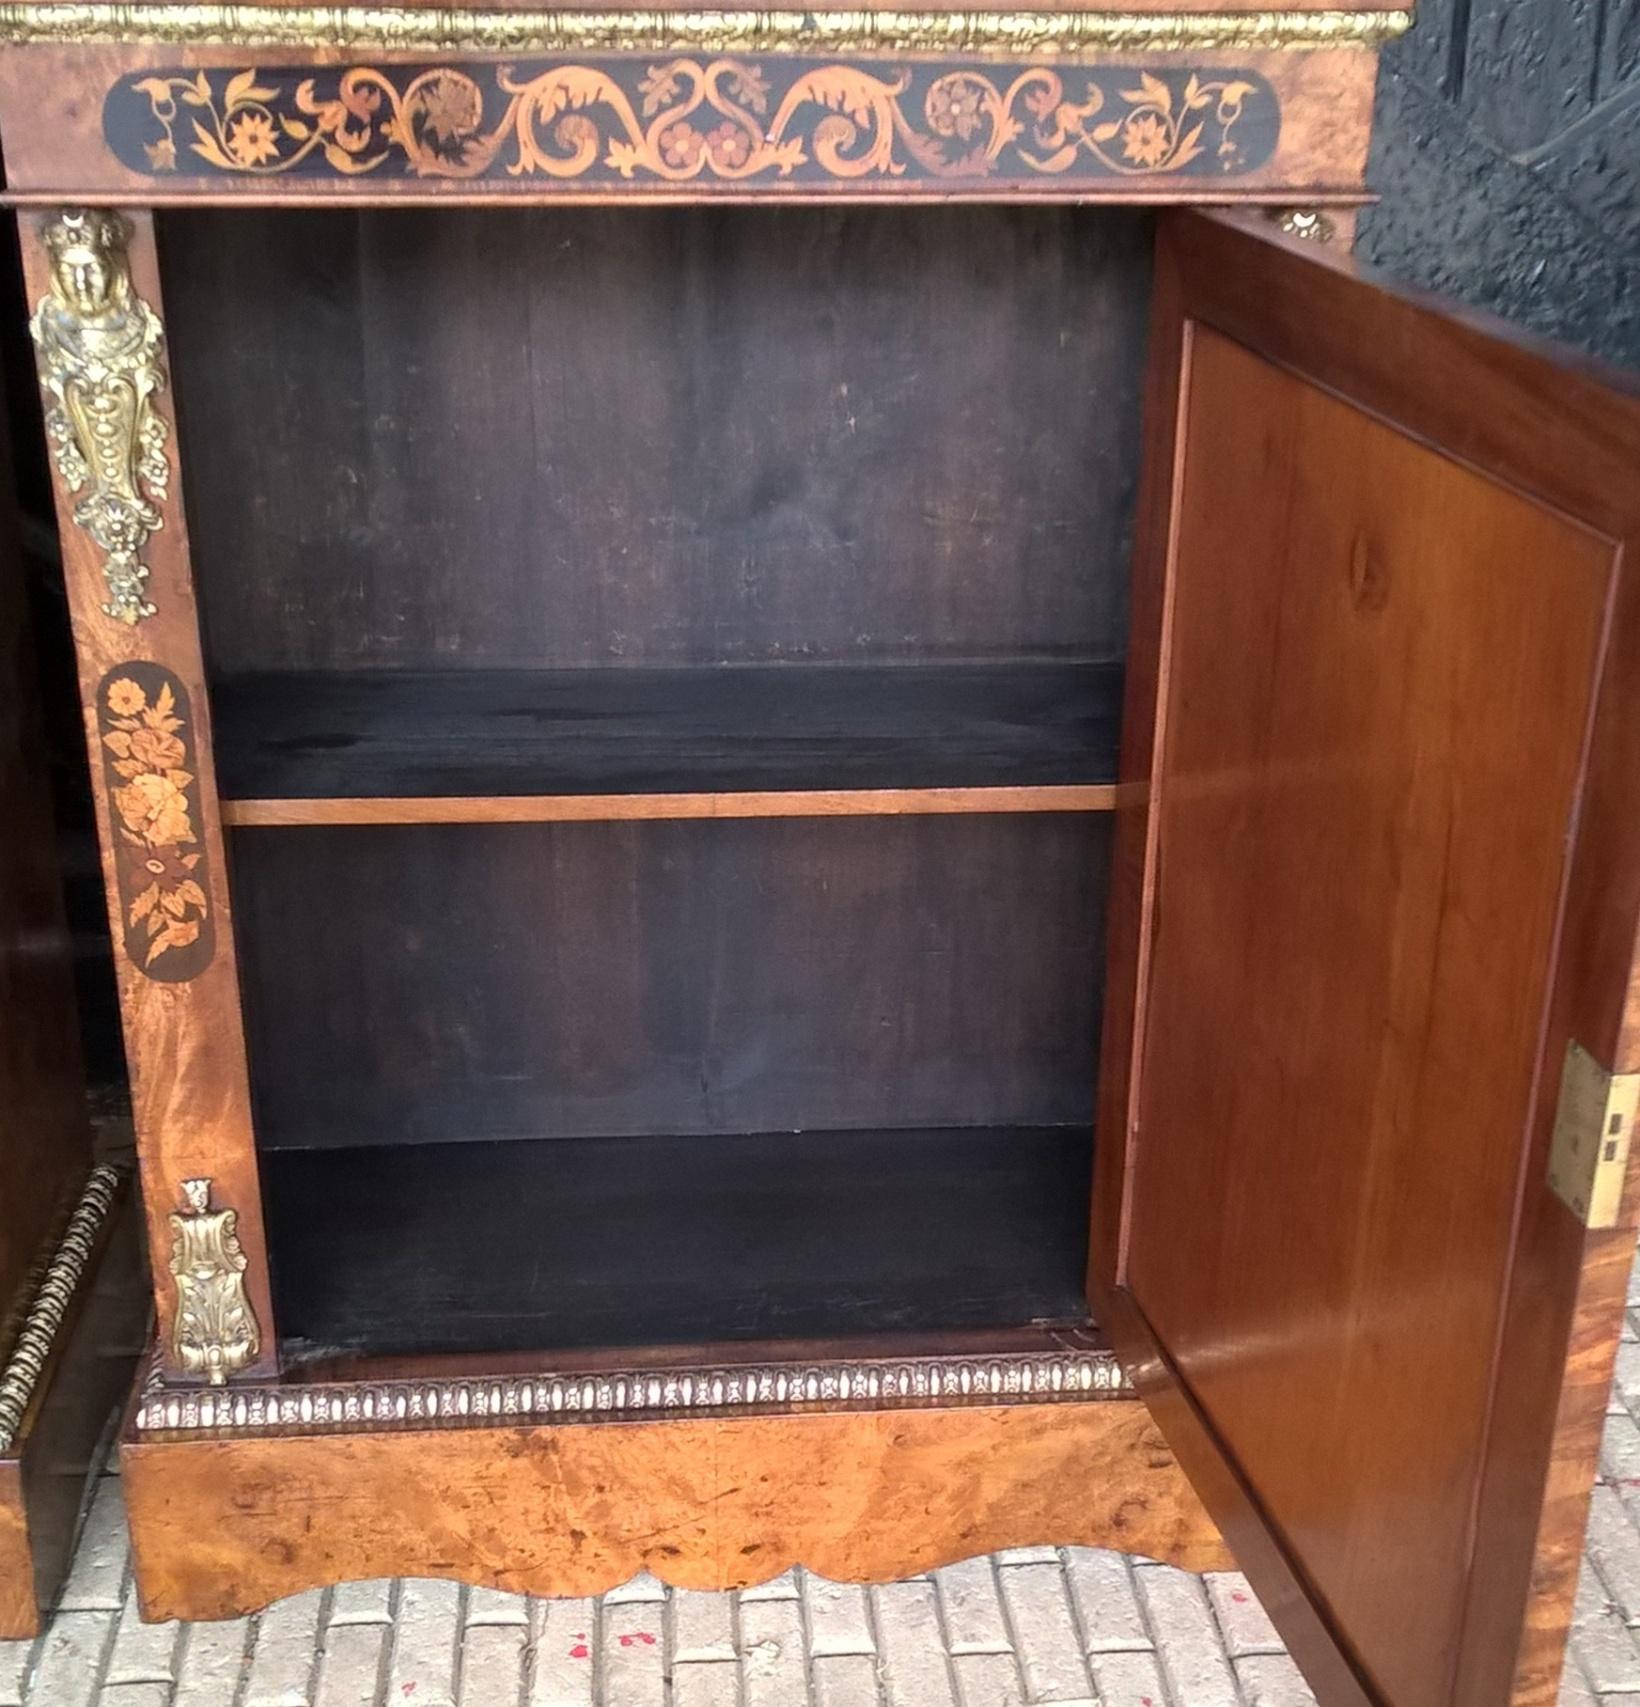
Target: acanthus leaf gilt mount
(100, 356)
(215, 1333)
(689, 122)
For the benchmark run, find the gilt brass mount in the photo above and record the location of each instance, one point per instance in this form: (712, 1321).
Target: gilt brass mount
(101, 364)
(215, 1333)
(435, 29)
(25, 1363)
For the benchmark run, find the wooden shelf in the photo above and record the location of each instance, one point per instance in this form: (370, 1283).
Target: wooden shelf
(380, 747)
(546, 1244)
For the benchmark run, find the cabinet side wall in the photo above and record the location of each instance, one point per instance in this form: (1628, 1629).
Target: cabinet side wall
(95, 289)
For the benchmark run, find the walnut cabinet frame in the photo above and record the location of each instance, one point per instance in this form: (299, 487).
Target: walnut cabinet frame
(625, 826)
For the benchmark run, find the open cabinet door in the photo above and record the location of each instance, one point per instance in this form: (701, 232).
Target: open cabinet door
(1378, 877)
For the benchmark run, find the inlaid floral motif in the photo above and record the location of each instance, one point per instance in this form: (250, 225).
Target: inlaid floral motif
(688, 121)
(150, 770)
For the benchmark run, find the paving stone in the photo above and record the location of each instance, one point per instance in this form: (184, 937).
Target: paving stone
(773, 1664)
(422, 1665)
(782, 1587)
(643, 1589)
(703, 1627)
(1186, 1636)
(1628, 1373)
(1026, 1556)
(495, 1606)
(839, 1623)
(211, 1662)
(1272, 1680)
(987, 1680)
(912, 1666)
(96, 1578)
(1574, 1687)
(362, 1603)
(1243, 1623)
(350, 1665)
(492, 1666)
(1106, 1602)
(1045, 1635)
(845, 1680)
(14, 1664)
(972, 1605)
(709, 1683)
(134, 1695)
(143, 1653)
(1130, 1678)
(632, 1655)
(284, 1647)
(1601, 1643)
(1614, 1546)
(561, 1665)
(71, 1656)
(1620, 1450)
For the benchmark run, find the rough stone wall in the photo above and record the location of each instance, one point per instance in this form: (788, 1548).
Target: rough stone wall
(1508, 159)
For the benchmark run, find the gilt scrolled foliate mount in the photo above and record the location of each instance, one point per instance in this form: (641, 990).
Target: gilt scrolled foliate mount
(101, 362)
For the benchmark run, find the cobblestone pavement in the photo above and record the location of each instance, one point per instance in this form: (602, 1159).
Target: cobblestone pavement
(1035, 1625)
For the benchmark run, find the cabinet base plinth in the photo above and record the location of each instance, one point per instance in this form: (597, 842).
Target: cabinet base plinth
(222, 1526)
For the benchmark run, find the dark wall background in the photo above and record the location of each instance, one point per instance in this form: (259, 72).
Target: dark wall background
(1508, 156)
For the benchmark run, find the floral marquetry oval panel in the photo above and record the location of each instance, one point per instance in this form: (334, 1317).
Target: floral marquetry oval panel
(146, 735)
(699, 123)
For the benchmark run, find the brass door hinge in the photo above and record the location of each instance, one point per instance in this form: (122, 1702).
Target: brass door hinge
(1593, 1126)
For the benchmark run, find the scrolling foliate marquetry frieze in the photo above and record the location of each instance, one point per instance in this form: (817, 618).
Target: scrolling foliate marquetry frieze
(101, 362)
(214, 1332)
(699, 123)
(145, 733)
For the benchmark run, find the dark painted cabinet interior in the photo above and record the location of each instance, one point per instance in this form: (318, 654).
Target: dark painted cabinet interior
(496, 506)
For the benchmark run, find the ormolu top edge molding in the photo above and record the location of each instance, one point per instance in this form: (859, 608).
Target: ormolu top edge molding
(441, 29)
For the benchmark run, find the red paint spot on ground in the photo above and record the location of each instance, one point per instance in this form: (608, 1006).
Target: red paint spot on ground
(408, 1688)
(1239, 1598)
(638, 1636)
(580, 1652)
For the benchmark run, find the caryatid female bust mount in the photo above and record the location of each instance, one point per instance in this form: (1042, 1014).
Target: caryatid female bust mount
(100, 365)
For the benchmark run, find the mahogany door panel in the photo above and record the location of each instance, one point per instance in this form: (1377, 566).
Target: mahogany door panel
(1380, 664)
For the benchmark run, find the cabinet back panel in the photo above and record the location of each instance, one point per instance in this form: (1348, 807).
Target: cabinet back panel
(522, 438)
(455, 982)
